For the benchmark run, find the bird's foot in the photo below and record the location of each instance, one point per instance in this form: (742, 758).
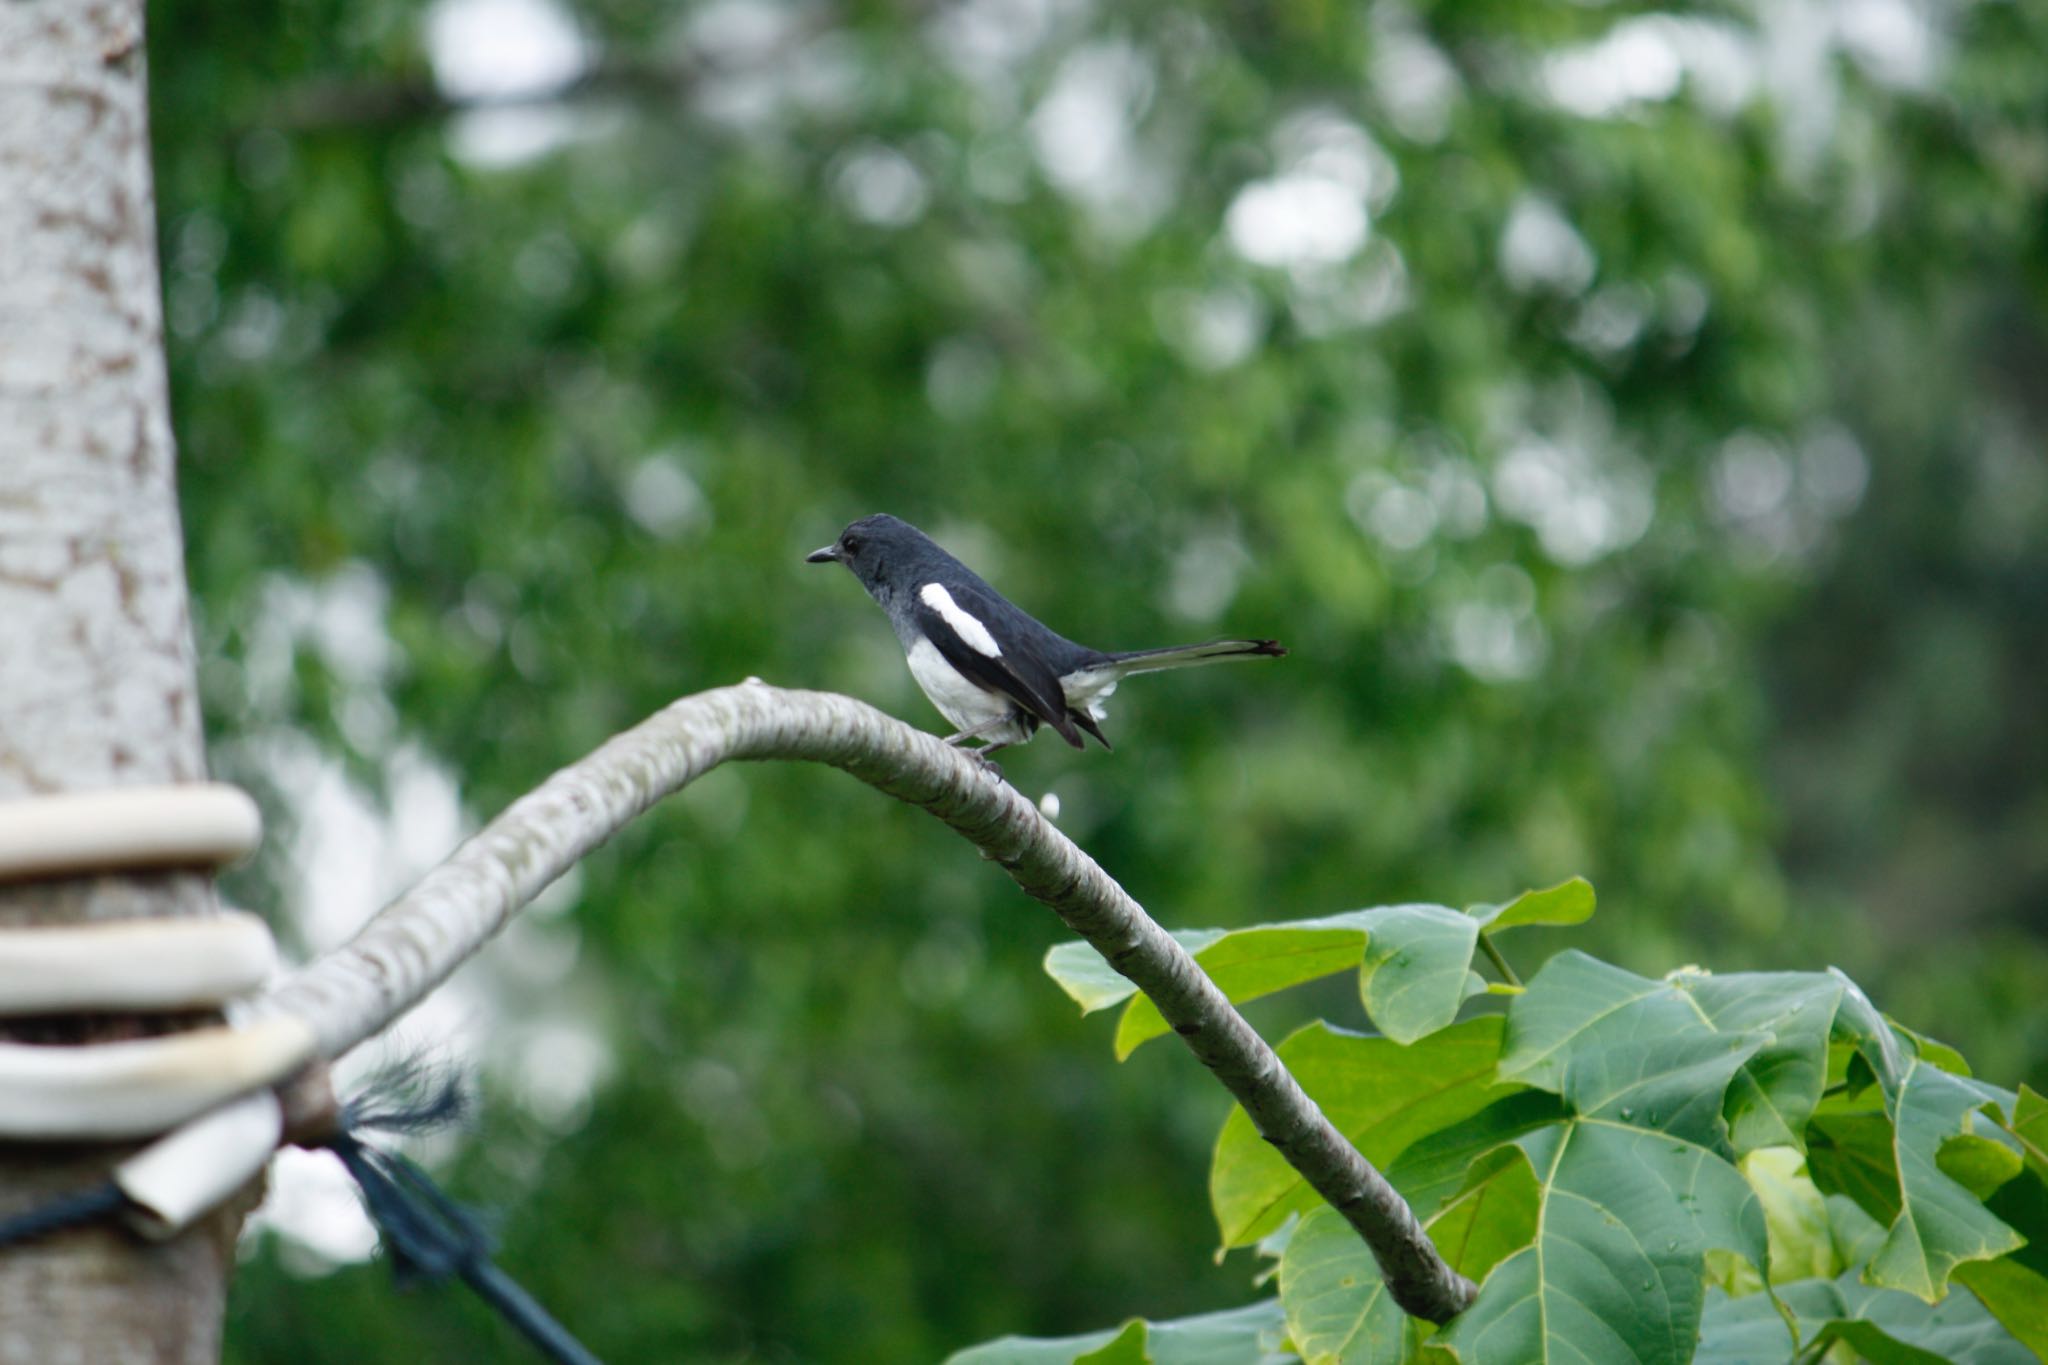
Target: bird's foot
(981, 754)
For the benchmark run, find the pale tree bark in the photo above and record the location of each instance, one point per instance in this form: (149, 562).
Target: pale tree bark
(96, 675)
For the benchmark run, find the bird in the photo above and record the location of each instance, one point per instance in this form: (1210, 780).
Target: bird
(990, 667)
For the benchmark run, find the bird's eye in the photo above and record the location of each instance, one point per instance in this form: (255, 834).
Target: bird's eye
(851, 544)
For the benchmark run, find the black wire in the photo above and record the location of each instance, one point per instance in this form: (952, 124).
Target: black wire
(430, 1236)
(65, 1211)
(519, 1308)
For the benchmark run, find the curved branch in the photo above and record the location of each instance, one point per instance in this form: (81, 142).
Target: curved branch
(416, 941)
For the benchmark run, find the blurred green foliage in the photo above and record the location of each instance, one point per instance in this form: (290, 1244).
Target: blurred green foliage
(1632, 421)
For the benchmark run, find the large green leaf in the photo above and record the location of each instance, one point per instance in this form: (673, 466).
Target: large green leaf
(1772, 1097)
(1880, 1325)
(1615, 1271)
(1569, 902)
(1901, 1164)
(1338, 1309)
(1238, 1336)
(1940, 1223)
(1417, 969)
(1960, 1129)
(1379, 1094)
(1744, 1331)
(1886, 1325)
(1435, 1168)
(2013, 1287)
(1414, 963)
(1618, 1045)
(2016, 1294)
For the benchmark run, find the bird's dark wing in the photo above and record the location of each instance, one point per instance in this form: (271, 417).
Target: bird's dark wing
(1019, 671)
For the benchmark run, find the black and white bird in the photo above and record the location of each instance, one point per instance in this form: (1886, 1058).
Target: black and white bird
(990, 668)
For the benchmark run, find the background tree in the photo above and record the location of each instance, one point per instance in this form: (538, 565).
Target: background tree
(97, 687)
(1629, 420)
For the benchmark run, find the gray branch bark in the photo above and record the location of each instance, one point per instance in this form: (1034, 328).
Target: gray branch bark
(96, 676)
(416, 941)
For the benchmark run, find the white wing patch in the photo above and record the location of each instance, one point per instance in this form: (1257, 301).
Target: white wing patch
(973, 632)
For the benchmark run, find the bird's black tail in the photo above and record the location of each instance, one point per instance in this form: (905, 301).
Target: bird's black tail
(1131, 661)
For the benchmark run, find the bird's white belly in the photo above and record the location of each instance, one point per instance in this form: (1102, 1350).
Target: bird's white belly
(961, 701)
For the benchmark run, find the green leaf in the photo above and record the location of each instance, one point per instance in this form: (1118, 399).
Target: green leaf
(1041, 1350)
(1885, 1326)
(1771, 1099)
(1338, 1309)
(1805, 1227)
(1094, 985)
(1379, 1094)
(2022, 1204)
(1618, 1045)
(1237, 1336)
(1857, 1234)
(1248, 963)
(1435, 1168)
(1882, 1326)
(1851, 1154)
(1625, 1218)
(1858, 1019)
(2030, 1126)
(1938, 1053)
(1414, 963)
(1417, 969)
(1491, 1218)
(1125, 1348)
(1802, 1238)
(1897, 1165)
(1979, 1163)
(1744, 1331)
(1569, 902)
(1940, 1223)
(2015, 1294)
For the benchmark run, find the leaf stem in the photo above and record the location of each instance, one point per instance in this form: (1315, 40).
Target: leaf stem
(1814, 1351)
(1500, 963)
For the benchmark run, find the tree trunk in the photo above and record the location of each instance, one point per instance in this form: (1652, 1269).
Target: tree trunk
(96, 675)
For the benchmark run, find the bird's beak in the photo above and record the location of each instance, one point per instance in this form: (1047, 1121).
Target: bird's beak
(829, 554)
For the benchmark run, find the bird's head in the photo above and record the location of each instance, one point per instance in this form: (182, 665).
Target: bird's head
(872, 547)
